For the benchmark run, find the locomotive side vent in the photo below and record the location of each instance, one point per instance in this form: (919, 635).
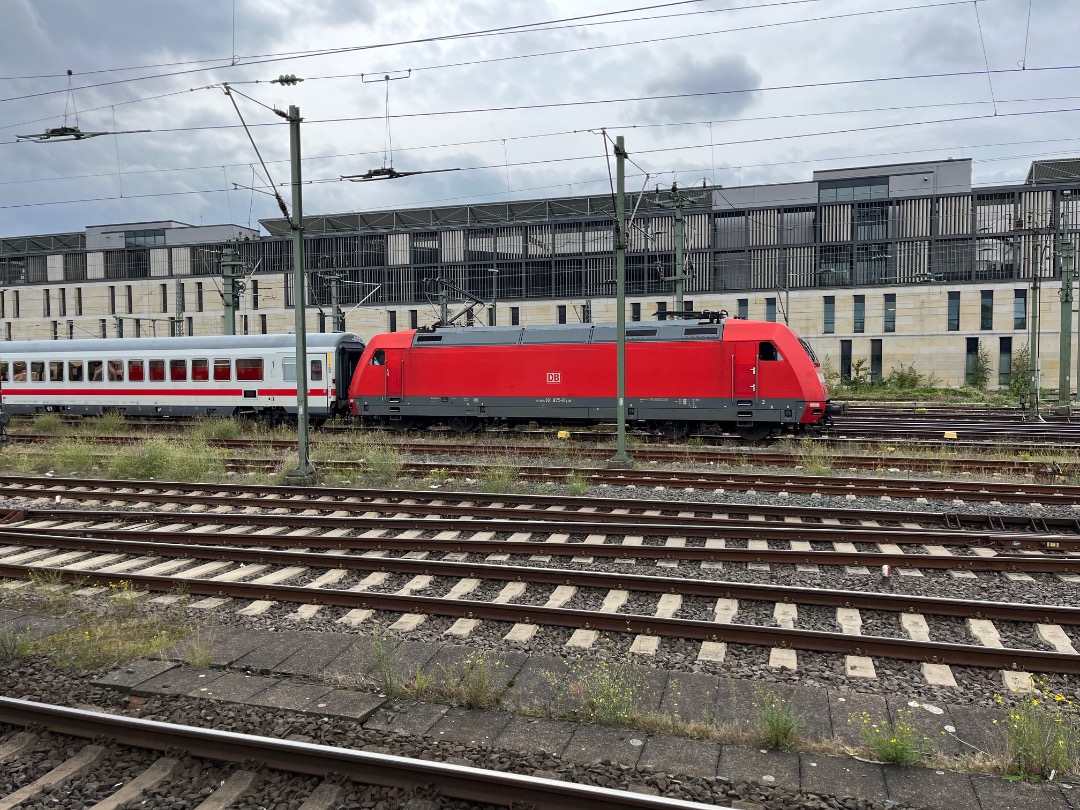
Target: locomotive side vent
(428, 338)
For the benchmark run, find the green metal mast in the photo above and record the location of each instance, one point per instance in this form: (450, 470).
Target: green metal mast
(621, 457)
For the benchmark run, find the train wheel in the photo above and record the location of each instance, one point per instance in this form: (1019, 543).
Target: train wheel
(400, 425)
(462, 424)
(753, 433)
(674, 431)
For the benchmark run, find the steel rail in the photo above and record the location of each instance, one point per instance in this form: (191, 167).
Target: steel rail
(697, 630)
(613, 524)
(363, 767)
(80, 537)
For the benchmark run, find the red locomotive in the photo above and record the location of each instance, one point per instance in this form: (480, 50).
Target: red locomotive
(750, 378)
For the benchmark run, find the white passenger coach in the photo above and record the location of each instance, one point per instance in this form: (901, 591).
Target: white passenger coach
(184, 376)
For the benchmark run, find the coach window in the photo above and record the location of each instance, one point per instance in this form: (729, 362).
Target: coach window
(3, 372)
(316, 370)
(116, 371)
(56, 371)
(222, 369)
(136, 371)
(157, 370)
(249, 368)
(93, 370)
(75, 369)
(767, 351)
(200, 369)
(37, 371)
(288, 369)
(18, 371)
(178, 370)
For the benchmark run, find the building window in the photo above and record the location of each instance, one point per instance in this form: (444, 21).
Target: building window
(119, 327)
(829, 317)
(971, 363)
(164, 289)
(103, 327)
(414, 319)
(863, 188)
(845, 360)
(46, 303)
(322, 322)
(1019, 309)
(515, 316)
(130, 300)
(986, 309)
(71, 330)
(688, 306)
(112, 300)
(199, 297)
(770, 309)
(262, 324)
(78, 301)
(3, 304)
(63, 302)
(661, 306)
(560, 313)
(743, 308)
(890, 312)
(875, 360)
(254, 294)
(392, 317)
(191, 326)
(635, 312)
(954, 312)
(1005, 369)
(244, 321)
(858, 322)
(56, 333)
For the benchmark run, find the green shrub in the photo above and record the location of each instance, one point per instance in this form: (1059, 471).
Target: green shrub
(110, 422)
(383, 464)
(896, 742)
(1042, 734)
(73, 456)
(499, 478)
(169, 461)
(778, 724)
(14, 645)
(606, 689)
(47, 423)
(217, 429)
(576, 484)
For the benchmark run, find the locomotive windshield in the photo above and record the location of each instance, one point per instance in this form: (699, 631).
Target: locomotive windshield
(809, 351)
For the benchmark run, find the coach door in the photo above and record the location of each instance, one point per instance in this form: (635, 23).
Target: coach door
(395, 372)
(744, 370)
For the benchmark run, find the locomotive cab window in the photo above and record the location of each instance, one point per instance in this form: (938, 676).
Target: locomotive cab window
(222, 369)
(379, 358)
(56, 371)
(136, 371)
(767, 351)
(316, 370)
(200, 369)
(94, 370)
(75, 370)
(178, 370)
(249, 368)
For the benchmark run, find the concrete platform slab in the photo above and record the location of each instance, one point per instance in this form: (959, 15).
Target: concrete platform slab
(590, 743)
(288, 695)
(315, 654)
(691, 696)
(406, 718)
(680, 755)
(132, 674)
(176, 681)
(764, 767)
(533, 688)
(471, 726)
(848, 710)
(995, 793)
(451, 660)
(531, 734)
(926, 787)
(234, 687)
(358, 706)
(843, 777)
(272, 650)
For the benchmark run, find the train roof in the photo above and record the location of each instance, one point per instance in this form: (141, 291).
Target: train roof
(318, 342)
(571, 333)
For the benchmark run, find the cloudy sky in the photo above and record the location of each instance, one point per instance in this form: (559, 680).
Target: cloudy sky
(514, 93)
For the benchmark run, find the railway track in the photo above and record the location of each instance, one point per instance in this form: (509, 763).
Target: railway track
(185, 760)
(505, 561)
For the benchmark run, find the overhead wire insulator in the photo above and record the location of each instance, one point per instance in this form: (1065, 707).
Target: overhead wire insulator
(287, 79)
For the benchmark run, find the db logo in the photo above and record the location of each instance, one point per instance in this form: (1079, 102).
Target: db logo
(554, 376)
